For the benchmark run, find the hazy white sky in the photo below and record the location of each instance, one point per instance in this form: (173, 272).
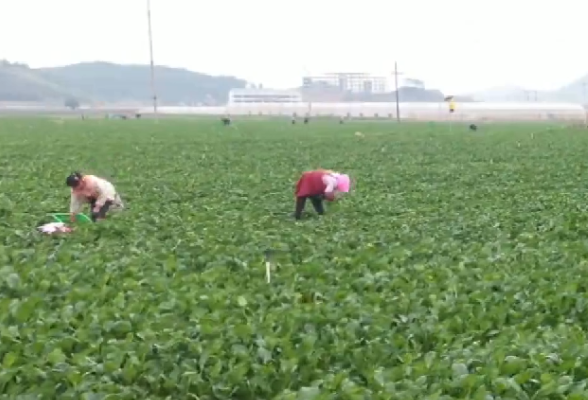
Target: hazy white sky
(456, 46)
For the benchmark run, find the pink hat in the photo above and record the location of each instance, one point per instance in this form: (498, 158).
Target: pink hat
(343, 183)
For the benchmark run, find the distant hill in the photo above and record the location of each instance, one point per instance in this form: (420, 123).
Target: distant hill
(102, 82)
(501, 93)
(406, 93)
(107, 82)
(574, 92)
(18, 83)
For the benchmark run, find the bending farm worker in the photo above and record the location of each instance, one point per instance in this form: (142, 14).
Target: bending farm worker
(317, 186)
(90, 189)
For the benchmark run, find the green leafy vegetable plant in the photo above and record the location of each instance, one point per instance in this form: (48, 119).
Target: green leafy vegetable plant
(454, 270)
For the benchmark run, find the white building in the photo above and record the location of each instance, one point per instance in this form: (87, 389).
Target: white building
(355, 82)
(272, 96)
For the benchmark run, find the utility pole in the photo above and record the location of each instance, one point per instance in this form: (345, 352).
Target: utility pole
(396, 73)
(531, 95)
(154, 93)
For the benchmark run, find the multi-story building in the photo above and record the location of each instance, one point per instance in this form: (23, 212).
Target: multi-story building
(242, 96)
(349, 82)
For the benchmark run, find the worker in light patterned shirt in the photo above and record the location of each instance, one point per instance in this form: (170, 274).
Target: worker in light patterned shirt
(318, 185)
(90, 189)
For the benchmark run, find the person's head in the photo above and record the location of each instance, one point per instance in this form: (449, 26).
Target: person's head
(74, 180)
(343, 183)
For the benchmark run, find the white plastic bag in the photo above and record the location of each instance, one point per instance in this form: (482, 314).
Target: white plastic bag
(54, 227)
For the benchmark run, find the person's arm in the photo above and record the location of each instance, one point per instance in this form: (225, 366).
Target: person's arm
(75, 205)
(106, 192)
(331, 183)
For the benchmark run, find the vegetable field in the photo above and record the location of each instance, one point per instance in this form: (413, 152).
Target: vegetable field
(455, 270)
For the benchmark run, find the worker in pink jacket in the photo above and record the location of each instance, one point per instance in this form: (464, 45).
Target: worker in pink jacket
(90, 189)
(317, 186)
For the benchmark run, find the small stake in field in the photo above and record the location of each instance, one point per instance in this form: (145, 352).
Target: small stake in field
(268, 255)
(268, 267)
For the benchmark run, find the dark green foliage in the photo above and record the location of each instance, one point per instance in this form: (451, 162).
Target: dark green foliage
(454, 271)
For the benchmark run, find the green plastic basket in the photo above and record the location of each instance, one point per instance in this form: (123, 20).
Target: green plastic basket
(64, 217)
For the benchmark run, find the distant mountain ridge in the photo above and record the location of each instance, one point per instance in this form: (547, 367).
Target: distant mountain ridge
(333, 94)
(108, 82)
(574, 92)
(104, 82)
